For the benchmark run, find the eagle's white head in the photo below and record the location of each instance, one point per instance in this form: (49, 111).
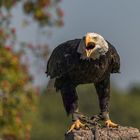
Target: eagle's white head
(92, 46)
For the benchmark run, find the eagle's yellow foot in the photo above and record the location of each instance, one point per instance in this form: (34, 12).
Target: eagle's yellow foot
(109, 123)
(76, 125)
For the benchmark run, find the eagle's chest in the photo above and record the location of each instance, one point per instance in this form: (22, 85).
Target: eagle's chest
(88, 71)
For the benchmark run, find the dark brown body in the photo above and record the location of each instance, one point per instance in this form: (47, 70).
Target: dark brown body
(65, 64)
(89, 71)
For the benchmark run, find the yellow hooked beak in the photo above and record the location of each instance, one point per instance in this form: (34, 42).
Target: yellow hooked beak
(89, 40)
(88, 52)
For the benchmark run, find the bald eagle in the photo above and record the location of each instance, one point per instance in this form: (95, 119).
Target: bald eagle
(91, 59)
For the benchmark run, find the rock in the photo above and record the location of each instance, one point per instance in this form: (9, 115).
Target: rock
(120, 133)
(95, 131)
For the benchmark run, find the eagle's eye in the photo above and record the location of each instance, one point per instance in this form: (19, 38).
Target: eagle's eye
(95, 38)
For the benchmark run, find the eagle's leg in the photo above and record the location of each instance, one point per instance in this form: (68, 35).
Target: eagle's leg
(70, 101)
(103, 91)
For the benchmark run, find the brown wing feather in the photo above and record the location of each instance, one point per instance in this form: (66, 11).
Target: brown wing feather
(60, 59)
(115, 59)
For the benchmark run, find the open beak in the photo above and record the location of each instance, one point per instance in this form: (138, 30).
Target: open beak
(90, 45)
(88, 52)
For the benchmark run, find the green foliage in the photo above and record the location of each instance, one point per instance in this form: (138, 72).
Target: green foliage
(8, 3)
(52, 122)
(17, 96)
(135, 89)
(41, 12)
(44, 12)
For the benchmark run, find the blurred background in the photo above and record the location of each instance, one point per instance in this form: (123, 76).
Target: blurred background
(30, 109)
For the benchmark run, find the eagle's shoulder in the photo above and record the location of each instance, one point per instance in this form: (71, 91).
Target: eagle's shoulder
(61, 57)
(115, 58)
(73, 43)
